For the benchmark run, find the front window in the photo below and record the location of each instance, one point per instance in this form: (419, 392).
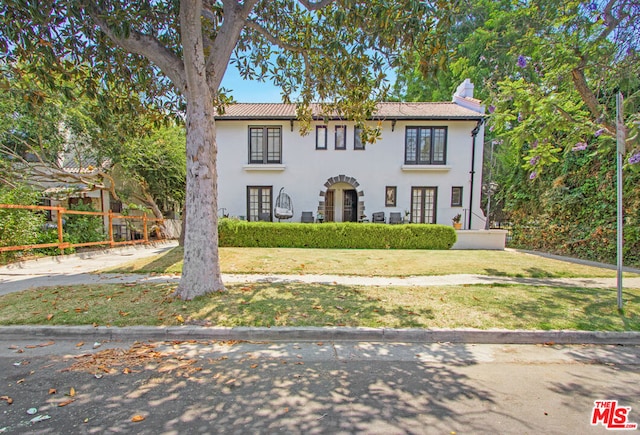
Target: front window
(357, 139)
(321, 137)
(425, 145)
(265, 145)
(259, 203)
(341, 137)
(423, 205)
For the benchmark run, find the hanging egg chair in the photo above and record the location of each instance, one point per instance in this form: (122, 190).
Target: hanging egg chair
(284, 206)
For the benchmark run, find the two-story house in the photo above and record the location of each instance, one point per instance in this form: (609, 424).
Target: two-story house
(426, 167)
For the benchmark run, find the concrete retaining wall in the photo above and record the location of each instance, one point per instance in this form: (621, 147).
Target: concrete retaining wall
(481, 239)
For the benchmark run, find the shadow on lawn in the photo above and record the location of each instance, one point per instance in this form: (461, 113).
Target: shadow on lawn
(577, 308)
(277, 304)
(532, 272)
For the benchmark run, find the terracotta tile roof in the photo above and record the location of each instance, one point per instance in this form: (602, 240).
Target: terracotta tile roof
(266, 111)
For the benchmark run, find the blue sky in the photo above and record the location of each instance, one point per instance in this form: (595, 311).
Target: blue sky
(248, 91)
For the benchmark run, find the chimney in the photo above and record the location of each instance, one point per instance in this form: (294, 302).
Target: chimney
(464, 90)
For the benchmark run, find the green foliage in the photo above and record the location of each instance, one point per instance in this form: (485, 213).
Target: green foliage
(549, 72)
(235, 233)
(18, 227)
(157, 162)
(574, 210)
(84, 228)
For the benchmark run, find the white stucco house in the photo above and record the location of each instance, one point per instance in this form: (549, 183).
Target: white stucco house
(426, 167)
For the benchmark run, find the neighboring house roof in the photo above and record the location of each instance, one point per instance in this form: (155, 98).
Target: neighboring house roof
(386, 111)
(86, 164)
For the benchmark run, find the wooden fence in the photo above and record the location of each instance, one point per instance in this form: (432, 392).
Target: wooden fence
(61, 244)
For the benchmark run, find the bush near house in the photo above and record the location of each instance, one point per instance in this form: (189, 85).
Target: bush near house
(18, 227)
(84, 228)
(235, 233)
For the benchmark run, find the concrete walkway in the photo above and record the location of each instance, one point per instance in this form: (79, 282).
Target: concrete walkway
(80, 269)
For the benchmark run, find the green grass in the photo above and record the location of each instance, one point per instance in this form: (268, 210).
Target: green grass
(375, 263)
(297, 304)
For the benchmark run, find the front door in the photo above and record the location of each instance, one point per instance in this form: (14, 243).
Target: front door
(350, 206)
(423, 205)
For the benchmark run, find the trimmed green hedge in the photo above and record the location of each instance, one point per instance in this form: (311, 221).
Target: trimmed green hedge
(235, 233)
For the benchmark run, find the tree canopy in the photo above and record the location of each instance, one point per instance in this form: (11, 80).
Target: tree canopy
(549, 72)
(175, 54)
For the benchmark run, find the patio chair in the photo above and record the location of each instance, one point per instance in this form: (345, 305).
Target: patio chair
(378, 217)
(395, 218)
(307, 217)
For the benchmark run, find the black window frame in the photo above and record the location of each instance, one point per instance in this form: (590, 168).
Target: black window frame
(342, 146)
(460, 191)
(264, 160)
(358, 143)
(326, 137)
(423, 190)
(421, 132)
(260, 188)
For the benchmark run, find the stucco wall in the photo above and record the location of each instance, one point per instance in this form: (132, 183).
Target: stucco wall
(305, 170)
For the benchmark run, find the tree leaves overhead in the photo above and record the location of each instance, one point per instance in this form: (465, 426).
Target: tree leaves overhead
(176, 52)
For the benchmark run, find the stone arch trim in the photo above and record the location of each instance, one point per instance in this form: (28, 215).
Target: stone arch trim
(342, 179)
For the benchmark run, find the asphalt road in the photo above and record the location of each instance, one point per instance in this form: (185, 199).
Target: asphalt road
(52, 382)
(310, 387)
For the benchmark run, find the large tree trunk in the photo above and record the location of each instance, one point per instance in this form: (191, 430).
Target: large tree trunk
(201, 270)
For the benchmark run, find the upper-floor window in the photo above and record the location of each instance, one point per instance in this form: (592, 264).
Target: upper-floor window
(321, 137)
(425, 145)
(341, 137)
(265, 144)
(357, 138)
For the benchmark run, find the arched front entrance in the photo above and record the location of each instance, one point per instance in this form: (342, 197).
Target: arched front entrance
(342, 201)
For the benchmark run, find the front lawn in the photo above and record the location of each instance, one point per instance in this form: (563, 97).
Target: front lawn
(372, 262)
(297, 304)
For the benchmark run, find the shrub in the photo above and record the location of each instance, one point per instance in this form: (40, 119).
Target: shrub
(18, 227)
(83, 228)
(334, 235)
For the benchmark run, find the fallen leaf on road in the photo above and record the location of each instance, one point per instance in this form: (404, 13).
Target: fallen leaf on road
(66, 402)
(52, 391)
(137, 418)
(72, 392)
(48, 343)
(80, 344)
(7, 399)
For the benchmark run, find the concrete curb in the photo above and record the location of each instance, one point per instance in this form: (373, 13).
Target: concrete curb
(476, 336)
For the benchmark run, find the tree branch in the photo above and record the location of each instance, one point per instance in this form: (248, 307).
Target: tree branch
(588, 97)
(610, 20)
(235, 18)
(150, 48)
(315, 5)
(272, 39)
